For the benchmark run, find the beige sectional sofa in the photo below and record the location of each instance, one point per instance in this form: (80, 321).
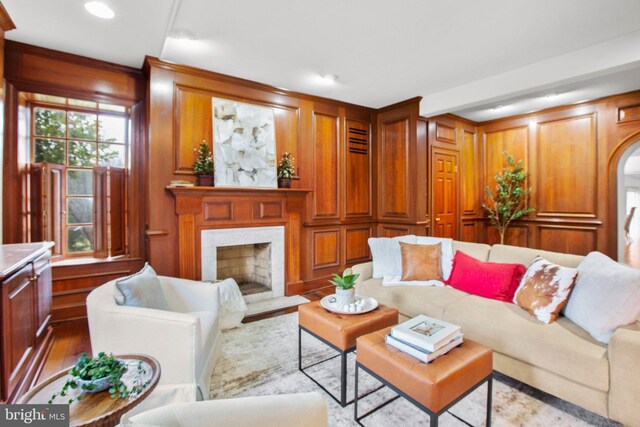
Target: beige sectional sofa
(560, 358)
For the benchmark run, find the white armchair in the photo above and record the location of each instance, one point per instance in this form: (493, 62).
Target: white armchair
(291, 410)
(186, 339)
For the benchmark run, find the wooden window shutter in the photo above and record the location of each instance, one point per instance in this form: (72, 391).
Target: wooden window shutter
(117, 211)
(100, 212)
(46, 187)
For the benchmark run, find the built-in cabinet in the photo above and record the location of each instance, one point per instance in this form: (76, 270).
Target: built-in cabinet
(26, 313)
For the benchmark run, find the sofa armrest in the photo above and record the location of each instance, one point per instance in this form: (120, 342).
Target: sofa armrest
(189, 295)
(171, 338)
(624, 374)
(294, 410)
(364, 270)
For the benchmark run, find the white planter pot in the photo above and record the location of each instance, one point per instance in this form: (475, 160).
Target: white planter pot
(345, 296)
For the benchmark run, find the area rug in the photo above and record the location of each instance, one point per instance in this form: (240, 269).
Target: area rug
(261, 358)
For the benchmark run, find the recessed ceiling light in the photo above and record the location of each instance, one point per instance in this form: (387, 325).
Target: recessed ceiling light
(99, 9)
(182, 34)
(327, 79)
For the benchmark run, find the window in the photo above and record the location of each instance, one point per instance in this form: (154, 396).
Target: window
(80, 152)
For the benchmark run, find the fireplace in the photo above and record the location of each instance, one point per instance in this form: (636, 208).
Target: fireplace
(253, 256)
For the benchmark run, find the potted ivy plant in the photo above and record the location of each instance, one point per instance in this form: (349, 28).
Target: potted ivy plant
(345, 291)
(100, 373)
(203, 167)
(286, 170)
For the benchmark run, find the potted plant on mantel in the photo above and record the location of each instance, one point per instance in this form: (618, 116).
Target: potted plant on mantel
(508, 203)
(345, 291)
(99, 373)
(286, 170)
(203, 167)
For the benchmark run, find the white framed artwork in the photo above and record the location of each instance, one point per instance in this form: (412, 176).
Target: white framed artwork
(244, 145)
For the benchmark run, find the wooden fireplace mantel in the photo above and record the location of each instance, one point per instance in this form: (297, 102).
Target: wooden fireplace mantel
(203, 208)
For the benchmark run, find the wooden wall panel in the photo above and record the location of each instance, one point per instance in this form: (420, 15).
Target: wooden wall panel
(357, 191)
(193, 126)
(514, 140)
(326, 248)
(468, 176)
(356, 245)
(568, 239)
(386, 230)
(326, 194)
(566, 167)
(394, 178)
(469, 231)
(516, 235)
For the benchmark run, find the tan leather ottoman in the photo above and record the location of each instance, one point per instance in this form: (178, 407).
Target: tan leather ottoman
(339, 331)
(433, 387)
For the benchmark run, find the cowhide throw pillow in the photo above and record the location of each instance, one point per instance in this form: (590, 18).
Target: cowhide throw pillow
(545, 289)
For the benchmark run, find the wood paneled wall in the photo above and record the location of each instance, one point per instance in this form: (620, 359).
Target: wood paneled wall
(29, 69)
(571, 154)
(6, 24)
(332, 144)
(402, 170)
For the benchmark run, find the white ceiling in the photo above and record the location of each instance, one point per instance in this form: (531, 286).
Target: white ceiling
(462, 56)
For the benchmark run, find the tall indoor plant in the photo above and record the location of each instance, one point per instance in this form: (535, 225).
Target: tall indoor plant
(203, 167)
(508, 202)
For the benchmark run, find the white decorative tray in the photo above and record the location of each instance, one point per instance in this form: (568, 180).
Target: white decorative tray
(368, 304)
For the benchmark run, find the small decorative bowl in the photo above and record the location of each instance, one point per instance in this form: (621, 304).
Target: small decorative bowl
(100, 384)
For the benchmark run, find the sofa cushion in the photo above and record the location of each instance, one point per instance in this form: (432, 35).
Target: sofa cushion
(411, 300)
(561, 347)
(141, 289)
(447, 251)
(385, 254)
(545, 289)
(479, 251)
(421, 262)
(524, 256)
(606, 296)
(486, 279)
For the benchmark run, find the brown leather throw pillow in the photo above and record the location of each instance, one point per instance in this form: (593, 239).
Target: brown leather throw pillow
(421, 262)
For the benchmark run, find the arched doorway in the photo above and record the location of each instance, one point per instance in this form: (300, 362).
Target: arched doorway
(628, 194)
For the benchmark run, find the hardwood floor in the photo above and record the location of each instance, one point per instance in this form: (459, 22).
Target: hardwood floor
(71, 338)
(632, 253)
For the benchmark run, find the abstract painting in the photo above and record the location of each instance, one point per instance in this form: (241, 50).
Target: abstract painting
(244, 145)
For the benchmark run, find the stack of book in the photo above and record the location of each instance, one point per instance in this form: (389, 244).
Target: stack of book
(425, 338)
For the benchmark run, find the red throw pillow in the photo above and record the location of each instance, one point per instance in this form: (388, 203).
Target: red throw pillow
(486, 279)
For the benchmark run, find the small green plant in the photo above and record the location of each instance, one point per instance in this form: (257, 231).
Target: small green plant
(96, 368)
(346, 281)
(204, 162)
(508, 202)
(286, 170)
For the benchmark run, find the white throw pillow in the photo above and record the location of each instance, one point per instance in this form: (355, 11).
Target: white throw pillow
(141, 289)
(447, 252)
(606, 296)
(386, 256)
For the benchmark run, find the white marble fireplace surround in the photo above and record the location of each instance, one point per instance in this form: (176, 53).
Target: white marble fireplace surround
(213, 239)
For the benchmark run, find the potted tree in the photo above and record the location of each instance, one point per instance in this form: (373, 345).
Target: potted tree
(203, 167)
(286, 170)
(508, 202)
(345, 292)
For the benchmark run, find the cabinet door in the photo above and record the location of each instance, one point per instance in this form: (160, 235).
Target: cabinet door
(18, 327)
(42, 275)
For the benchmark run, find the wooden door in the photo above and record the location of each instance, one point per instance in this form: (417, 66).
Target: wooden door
(445, 195)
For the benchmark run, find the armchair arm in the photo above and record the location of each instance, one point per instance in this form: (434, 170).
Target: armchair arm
(189, 295)
(364, 270)
(294, 410)
(624, 388)
(172, 338)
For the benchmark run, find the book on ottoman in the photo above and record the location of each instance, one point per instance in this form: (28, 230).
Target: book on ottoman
(426, 333)
(422, 354)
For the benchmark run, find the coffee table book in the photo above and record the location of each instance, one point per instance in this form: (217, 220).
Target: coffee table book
(421, 354)
(425, 332)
